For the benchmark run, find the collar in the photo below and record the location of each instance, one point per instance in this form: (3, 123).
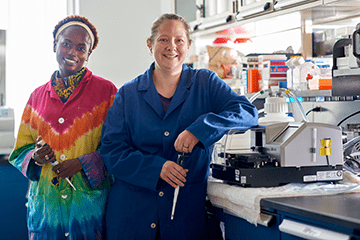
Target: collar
(49, 88)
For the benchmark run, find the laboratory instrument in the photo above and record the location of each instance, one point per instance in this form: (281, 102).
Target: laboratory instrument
(279, 152)
(346, 65)
(7, 123)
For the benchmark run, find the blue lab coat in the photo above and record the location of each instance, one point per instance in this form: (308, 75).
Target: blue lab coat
(138, 138)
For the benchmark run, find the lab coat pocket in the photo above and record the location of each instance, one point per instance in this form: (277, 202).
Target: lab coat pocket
(36, 213)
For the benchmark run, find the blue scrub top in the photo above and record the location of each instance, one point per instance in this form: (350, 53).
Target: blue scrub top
(138, 138)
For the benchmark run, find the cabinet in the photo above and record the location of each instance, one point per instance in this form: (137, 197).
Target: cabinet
(288, 4)
(300, 19)
(341, 2)
(308, 217)
(2, 66)
(315, 217)
(13, 188)
(187, 9)
(253, 8)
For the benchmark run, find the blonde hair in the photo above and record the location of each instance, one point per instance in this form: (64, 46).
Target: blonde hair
(168, 16)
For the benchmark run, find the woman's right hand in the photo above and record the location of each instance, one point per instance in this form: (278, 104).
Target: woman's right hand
(43, 153)
(173, 174)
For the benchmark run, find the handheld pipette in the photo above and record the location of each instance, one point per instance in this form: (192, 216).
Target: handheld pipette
(180, 161)
(54, 163)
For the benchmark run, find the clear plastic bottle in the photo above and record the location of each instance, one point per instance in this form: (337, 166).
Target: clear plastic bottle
(296, 80)
(304, 72)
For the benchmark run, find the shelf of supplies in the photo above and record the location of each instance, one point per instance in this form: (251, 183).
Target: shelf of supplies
(308, 93)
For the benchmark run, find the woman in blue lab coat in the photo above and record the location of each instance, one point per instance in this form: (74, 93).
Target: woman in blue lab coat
(170, 109)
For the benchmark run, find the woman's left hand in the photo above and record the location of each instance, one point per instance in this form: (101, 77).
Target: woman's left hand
(68, 168)
(185, 142)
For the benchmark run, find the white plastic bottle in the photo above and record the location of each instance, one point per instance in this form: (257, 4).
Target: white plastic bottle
(289, 73)
(275, 109)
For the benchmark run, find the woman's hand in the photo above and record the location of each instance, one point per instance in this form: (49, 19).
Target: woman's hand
(43, 152)
(68, 168)
(173, 174)
(185, 142)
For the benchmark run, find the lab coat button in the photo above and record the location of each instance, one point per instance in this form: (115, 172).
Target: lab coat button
(66, 234)
(161, 194)
(166, 134)
(64, 196)
(153, 225)
(61, 120)
(63, 157)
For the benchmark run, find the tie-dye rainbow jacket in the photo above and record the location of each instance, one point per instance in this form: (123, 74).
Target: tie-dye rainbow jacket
(73, 130)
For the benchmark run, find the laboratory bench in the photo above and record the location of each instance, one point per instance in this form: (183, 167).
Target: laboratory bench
(305, 217)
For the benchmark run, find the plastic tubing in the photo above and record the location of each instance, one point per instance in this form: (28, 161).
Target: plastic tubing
(256, 95)
(302, 112)
(289, 93)
(350, 143)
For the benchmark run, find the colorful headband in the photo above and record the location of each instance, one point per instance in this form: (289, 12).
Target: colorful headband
(68, 24)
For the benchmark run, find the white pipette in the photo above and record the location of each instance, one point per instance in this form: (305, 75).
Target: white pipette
(176, 193)
(54, 163)
(180, 161)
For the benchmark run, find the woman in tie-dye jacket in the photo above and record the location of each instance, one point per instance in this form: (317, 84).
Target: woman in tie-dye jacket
(66, 113)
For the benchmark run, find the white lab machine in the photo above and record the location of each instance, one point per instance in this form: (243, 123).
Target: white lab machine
(279, 153)
(7, 137)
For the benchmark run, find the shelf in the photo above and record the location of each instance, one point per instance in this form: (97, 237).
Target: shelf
(318, 93)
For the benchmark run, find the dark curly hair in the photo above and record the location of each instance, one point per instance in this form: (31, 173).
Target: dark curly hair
(78, 19)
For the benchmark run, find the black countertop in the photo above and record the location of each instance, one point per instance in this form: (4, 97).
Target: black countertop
(342, 209)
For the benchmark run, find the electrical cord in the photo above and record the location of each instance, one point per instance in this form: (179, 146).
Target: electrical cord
(346, 118)
(316, 109)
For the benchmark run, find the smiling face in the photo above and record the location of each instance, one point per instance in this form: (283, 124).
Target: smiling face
(170, 46)
(72, 50)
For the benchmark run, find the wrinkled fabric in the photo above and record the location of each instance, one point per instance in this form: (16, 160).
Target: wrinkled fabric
(244, 202)
(138, 138)
(73, 130)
